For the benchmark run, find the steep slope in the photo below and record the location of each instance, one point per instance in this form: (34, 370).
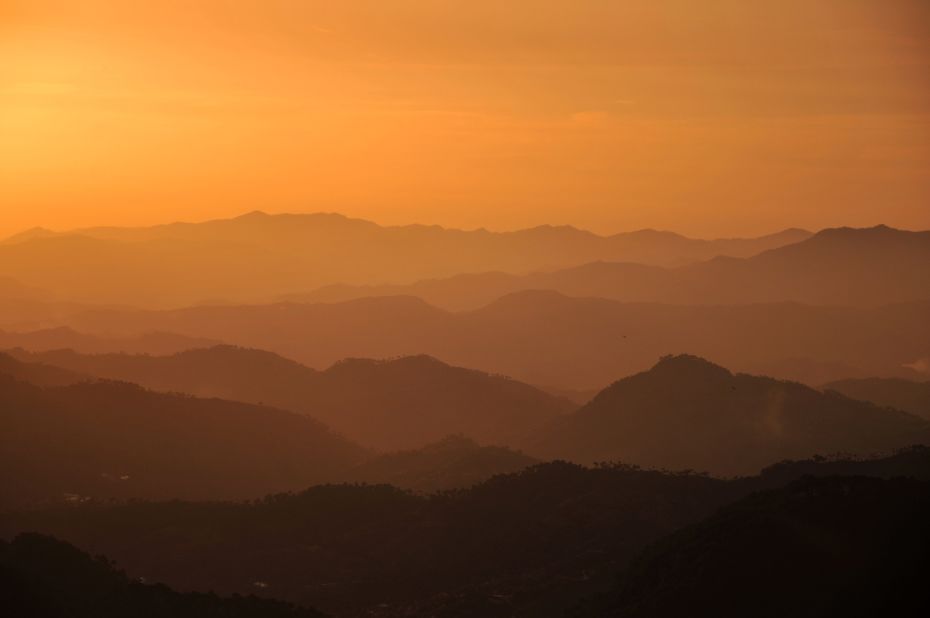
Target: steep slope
(452, 463)
(907, 395)
(115, 440)
(43, 577)
(259, 256)
(841, 546)
(545, 338)
(686, 413)
(400, 403)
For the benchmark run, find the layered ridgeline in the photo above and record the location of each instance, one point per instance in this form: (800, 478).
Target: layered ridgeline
(257, 256)
(561, 342)
(684, 413)
(394, 404)
(529, 544)
(123, 442)
(908, 395)
(115, 440)
(841, 266)
(687, 413)
(552, 340)
(43, 577)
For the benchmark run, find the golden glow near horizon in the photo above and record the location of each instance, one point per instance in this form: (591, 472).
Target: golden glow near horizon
(710, 118)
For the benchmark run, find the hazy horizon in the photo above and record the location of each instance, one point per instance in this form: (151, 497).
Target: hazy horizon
(401, 224)
(464, 309)
(719, 119)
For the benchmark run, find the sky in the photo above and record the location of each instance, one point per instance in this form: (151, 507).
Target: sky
(712, 118)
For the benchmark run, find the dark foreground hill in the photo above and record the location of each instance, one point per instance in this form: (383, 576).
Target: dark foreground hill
(376, 550)
(687, 413)
(393, 404)
(117, 440)
(527, 544)
(837, 546)
(907, 395)
(42, 577)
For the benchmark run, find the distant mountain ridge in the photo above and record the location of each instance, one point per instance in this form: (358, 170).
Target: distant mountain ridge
(909, 395)
(259, 256)
(842, 266)
(545, 338)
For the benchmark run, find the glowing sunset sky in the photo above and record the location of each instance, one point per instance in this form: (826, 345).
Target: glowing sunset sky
(711, 117)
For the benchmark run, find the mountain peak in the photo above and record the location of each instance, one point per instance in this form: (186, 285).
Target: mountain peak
(688, 364)
(255, 214)
(876, 231)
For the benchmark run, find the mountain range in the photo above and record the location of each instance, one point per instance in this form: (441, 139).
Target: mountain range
(551, 340)
(842, 266)
(684, 413)
(257, 256)
(395, 404)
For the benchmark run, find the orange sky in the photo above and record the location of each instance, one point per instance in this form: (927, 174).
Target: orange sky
(712, 118)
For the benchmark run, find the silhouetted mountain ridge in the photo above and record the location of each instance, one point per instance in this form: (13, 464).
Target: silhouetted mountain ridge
(398, 403)
(532, 543)
(908, 395)
(837, 546)
(548, 338)
(844, 266)
(117, 440)
(688, 413)
(259, 256)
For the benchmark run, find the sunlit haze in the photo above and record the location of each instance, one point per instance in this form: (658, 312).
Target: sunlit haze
(464, 308)
(713, 118)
